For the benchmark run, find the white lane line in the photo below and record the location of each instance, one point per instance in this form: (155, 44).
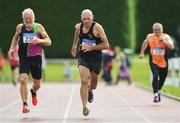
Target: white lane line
(133, 108)
(69, 104)
(10, 105)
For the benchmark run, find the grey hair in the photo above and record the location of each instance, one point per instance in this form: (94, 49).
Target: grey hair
(157, 25)
(28, 10)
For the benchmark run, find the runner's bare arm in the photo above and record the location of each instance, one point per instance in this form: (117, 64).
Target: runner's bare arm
(168, 41)
(46, 41)
(75, 40)
(105, 44)
(15, 39)
(143, 47)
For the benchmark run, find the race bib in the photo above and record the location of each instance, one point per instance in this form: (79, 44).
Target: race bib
(88, 42)
(158, 51)
(27, 37)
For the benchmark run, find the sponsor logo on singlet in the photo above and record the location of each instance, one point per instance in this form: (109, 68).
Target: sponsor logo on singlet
(90, 36)
(88, 42)
(27, 37)
(158, 51)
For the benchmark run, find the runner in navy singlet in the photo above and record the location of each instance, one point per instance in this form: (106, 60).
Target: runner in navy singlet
(92, 39)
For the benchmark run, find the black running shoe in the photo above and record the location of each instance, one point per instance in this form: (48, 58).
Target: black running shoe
(90, 96)
(156, 99)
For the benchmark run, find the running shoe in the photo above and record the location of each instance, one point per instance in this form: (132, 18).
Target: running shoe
(34, 97)
(156, 99)
(85, 111)
(25, 109)
(90, 96)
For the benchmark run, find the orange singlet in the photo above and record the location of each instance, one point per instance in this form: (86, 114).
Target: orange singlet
(157, 51)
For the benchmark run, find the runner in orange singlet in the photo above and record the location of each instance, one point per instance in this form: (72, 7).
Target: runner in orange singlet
(158, 42)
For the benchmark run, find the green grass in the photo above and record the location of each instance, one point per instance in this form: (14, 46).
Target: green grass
(6, 76)
(55, 72)
(175, 91)
(140, 74)
(140, 71)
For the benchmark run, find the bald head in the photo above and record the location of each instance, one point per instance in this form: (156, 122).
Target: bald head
(87, 13)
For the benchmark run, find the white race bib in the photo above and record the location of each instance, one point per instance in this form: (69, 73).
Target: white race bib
(27, 37)
(158, 51)
(88, 42)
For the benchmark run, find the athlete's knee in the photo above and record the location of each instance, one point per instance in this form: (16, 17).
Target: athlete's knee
(84, 82)
(85, 79)
(23, 80)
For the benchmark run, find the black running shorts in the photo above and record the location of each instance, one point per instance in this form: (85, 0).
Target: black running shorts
(92, 64)
(31, 64)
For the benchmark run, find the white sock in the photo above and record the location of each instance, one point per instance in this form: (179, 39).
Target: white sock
(156, 94)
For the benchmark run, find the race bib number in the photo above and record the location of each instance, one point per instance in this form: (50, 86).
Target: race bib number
(88, 42)
(27, 37)
(158, 51)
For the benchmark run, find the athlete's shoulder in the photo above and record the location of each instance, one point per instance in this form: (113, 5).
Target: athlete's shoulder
(18, 27)
(39, 25)
(77, 26)
(97, 25)
(167, 35)
(148, 36)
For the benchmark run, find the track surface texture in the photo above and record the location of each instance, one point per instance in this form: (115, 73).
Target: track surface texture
(61, 103)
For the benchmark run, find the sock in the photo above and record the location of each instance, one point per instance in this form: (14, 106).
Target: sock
(32, 92)
(156, 94)
(25, 103)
